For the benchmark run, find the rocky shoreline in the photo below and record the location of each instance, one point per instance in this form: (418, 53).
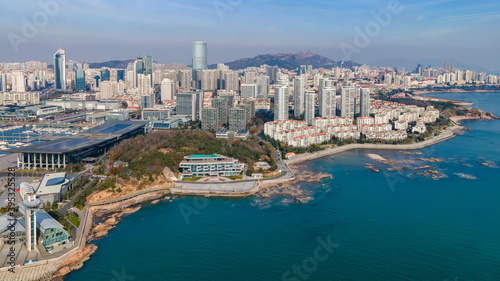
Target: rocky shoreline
(110, 215)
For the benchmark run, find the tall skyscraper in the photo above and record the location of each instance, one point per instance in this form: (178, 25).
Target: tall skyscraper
(80, 80)
(364, 102)
(148, 68)
(280, 103)
(348, 102)
(199, 57)
(298, 95)
(138, 69)
(327, 102)
(120, 75)
(309, 112)
(105, 75)
(60, 69)
(167, 90)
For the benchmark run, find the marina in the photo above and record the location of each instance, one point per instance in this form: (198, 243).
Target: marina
(17, 136)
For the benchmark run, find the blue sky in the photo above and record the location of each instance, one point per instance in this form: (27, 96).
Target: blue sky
(95, 31)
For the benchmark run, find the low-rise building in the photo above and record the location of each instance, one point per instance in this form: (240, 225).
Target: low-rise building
(210, 165)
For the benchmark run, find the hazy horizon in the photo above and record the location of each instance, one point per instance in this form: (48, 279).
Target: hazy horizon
(98, 31)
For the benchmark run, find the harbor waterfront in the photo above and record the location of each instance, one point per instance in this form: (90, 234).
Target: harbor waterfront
(390, 225)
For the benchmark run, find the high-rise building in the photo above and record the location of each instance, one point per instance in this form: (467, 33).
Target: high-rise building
(60, 69)
(97, 78)
(189, 103)
(302, 70)
(18, 81)
(231, 80)
(298, 95)
(237, 120)
(222, 109)
(280, 103)
(364, 102)
(348, 102)
(144, 84)
(252, 107)
(199, 57)
(105, 75)
(248, 91)
(138, 69)
(272, 72)
(248, 111)
(249, 77)
(209, 119)
(208, 79)
(327, 102)
(262, 85)
(147, 101)
(185, 78)
(3, 83)
(148, 67)
(120, 75)
(167, 90)
(310, 109)
(80, 80)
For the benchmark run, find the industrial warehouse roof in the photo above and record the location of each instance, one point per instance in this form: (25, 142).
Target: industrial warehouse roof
(95, 136)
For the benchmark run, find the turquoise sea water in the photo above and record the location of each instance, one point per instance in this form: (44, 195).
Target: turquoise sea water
(386, 226)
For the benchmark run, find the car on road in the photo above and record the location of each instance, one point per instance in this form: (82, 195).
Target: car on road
(30, 261)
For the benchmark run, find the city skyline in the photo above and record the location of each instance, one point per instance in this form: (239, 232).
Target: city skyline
(413, 31)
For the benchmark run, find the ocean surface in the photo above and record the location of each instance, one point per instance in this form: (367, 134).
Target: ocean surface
(361, 225)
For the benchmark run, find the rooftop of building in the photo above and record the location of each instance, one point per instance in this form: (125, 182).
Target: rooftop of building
(51, 184)
(95, 136)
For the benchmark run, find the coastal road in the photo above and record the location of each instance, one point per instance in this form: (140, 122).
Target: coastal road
(68, 205)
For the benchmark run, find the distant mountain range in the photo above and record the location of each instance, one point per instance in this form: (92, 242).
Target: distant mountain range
(111, 64)
(287, 61)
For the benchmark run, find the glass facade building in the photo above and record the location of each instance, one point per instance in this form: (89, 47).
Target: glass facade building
(105, 75)
(120, 75)
(60, 69)
(80, 80)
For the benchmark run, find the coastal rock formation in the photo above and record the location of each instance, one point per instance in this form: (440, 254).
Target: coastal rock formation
(75, 262)
(129, 187)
